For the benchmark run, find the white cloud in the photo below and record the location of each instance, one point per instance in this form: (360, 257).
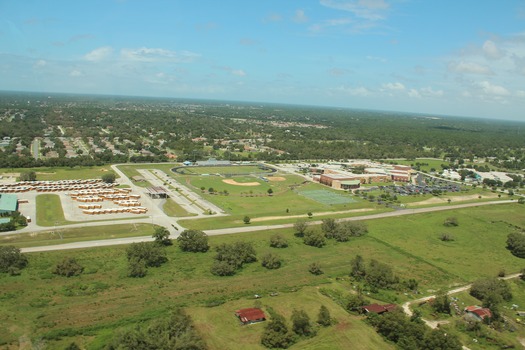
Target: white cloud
(40, 63)
(367, 9)
(145, 54)
(376, 58)
(425, 92)
(414, 93)
(248, 42)
(491, 50)
(337, 72)
(393, 86)
(469, 68)
(75, 73)
(300, 16)
(273, 17)
(238, 72)
(491, 89)
(99, 54)
(520, 93)
(352, 91)
(429, 92)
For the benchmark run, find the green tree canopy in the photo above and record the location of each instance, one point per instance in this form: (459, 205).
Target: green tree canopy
(11, 260)
(193, 241)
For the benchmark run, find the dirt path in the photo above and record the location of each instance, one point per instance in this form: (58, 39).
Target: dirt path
(444, 199)
(268, 218)
(436, 323)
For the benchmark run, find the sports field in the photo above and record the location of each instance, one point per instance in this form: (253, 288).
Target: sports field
(222, 170)
(327, 197)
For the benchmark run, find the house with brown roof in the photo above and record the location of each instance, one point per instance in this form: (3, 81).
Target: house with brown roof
(250, 315)
(378, 309)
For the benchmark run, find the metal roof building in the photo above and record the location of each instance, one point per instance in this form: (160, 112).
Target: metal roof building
(8, 203)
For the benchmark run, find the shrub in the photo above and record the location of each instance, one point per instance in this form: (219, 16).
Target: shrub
(223, 268)
(451, 221)
(68, 267)
(324, 318)
(315, 269)
(278, 241)
(446, 237)
(314, 239)
(271, 261)
(300, 227)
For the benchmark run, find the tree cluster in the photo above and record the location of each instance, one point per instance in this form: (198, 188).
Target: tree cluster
(412, 334)
(516, 244)
(143, 255)
(195, 241)
(231, 257)
(11, 260)
(378, 275)
(277, 335)
(175, 332)
(342, 231)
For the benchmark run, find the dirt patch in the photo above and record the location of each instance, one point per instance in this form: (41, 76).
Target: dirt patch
(235, 183)
(453, 199)
(276, 178)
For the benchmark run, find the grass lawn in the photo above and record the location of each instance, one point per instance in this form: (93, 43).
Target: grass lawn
(224, 170)
(62, 173)
(174, 210)
(482, 232)
(49, 210)
(70, 235)
(432, 163)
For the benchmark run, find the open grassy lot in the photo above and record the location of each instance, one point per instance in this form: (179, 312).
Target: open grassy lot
(77, 234)
(62, 173)
(88, 308)
(479, 242)
(174, 210)
(49, 210)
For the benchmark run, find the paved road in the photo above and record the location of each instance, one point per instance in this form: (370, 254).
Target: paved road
(247, 228)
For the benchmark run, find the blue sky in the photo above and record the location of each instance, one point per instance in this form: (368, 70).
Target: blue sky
(463, 58)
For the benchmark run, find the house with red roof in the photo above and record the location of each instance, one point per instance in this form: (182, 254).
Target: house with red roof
(477, 313)
(250, 315)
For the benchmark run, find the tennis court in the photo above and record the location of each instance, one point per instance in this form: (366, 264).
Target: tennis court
(327, 197)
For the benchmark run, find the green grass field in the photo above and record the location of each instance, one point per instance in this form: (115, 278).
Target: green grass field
(223, 170)
(88, 308)
(49, 174)
(70, 235)
(225, 331)
(49, 210)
